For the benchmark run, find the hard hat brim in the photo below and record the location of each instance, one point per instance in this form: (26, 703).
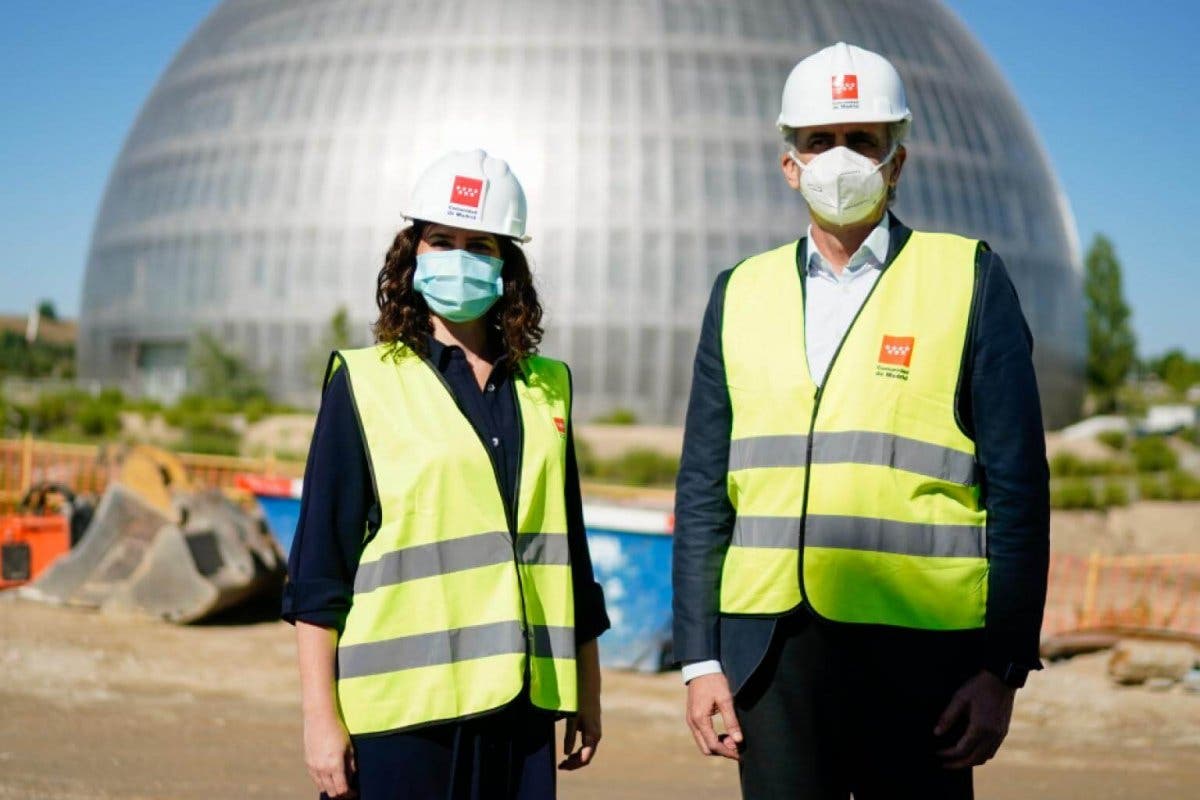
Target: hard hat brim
(841, 118)
(523, 239)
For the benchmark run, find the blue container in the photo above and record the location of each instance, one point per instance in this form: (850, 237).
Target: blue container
(631, 556)
(282, 513)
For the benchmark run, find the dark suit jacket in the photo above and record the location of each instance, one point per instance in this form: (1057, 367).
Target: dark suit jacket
(997, 405)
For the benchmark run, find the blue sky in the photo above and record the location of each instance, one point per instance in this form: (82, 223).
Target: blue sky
(1112, 87)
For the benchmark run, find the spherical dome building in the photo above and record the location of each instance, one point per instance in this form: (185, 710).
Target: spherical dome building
(263, 180)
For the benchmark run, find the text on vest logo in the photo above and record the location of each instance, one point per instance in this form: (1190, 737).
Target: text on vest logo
(561, 425)
(895, 357)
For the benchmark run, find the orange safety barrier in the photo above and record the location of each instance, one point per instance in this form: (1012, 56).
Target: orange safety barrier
(1147, 593)
(84, 468)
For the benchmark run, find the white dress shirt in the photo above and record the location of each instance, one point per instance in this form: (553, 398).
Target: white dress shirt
(832, 301)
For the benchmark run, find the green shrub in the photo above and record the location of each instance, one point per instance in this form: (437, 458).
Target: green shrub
(51, 411)
(204, 425)
(1073, 495)
(585, 457)
(198, 414)
(256, 408)
(1152, 487)
(618, 416)
(71, 415)
(1069, 465)
(1113, 439)
(144, 406)
(1064, 465)
(210, 443)
(1183, 486)
(63, 434)
(99, 419)
(1153, 454)
(639, 468)
(1191, 435)
(1114, 494)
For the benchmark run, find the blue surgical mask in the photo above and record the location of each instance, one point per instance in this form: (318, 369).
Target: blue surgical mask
(459, 285)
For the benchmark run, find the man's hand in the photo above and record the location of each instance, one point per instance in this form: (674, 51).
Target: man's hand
(709, 695)
(329, 756)
(985, 704)
(587, 722)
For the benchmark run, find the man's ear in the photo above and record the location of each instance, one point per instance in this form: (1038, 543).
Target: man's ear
(897, 165)
(791, 172)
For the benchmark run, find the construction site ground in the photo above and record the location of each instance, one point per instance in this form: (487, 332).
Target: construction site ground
(93, 707)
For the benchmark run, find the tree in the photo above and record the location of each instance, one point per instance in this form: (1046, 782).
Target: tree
(47, 311)
(1111, 343)
(1176, 370)
(337, 336)
(221, 374)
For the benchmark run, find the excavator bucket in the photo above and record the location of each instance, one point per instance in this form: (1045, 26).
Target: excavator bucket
(111, 550)
(156, 548)
(216, 559)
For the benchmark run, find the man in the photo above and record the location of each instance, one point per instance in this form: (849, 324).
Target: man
(862, 513)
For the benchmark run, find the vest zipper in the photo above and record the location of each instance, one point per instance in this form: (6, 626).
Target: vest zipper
(812, 423)
(512, 527)
(510, 504)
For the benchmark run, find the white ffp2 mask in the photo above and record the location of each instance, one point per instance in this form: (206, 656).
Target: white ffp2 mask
(842, 186)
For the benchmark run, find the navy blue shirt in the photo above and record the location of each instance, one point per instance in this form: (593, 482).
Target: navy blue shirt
(339, 511)
(997, 406)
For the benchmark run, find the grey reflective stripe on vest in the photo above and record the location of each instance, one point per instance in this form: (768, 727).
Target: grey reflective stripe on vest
(543, 548)
(862, 533)
(901, 538)
(430, 649)
(889, 450)
(455, 555)
(552, 641)
(767, 451)
(448, 647)
(766, 532)
(437, 558)
(854, 447)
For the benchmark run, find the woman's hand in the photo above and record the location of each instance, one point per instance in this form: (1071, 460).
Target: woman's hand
(328, 753)
(329, 756)
(587, 721)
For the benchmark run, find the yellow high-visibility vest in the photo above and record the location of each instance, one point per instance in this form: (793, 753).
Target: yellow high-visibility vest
(862, 497)
(454, 602)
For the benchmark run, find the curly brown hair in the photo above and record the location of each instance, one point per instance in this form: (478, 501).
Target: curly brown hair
(404, 316)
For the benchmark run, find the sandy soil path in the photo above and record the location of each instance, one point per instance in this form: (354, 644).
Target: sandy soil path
(93, 708)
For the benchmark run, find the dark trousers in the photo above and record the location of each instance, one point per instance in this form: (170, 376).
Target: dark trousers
(836, 710)
(508, 755)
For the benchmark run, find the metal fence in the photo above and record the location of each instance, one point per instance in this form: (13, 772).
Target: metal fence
(1144, 593)
(86, 468)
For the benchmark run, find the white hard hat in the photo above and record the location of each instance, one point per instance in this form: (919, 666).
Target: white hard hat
(843, 83)
(470, 189)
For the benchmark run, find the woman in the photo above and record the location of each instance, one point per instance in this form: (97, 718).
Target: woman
(440, 583)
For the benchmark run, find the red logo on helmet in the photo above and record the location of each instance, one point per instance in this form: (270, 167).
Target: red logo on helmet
(561, 425)
(896, 350)
(466, 191)
(845, 87)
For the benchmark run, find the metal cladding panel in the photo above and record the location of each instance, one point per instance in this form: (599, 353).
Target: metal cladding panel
(263, 180)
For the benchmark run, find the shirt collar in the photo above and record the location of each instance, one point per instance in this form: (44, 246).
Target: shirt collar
(872, 252)
(440, 354)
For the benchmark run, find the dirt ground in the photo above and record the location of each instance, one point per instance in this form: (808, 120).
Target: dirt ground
(93, 708)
